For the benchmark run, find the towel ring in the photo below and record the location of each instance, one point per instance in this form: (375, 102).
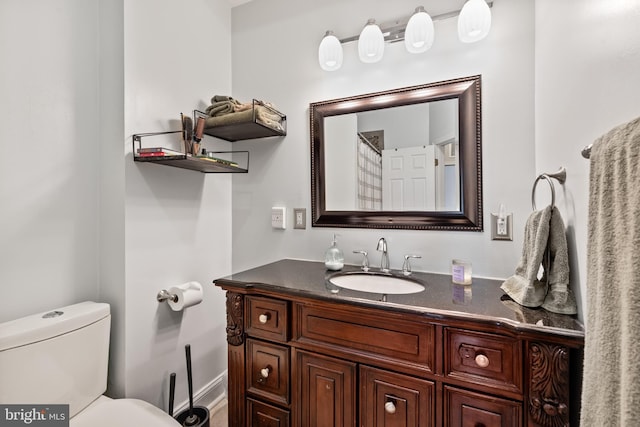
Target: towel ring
(561, 176)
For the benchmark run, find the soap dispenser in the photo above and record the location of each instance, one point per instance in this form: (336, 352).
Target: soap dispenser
(333, 257)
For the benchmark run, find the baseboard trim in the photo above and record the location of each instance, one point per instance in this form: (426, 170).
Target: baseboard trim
(209, 395)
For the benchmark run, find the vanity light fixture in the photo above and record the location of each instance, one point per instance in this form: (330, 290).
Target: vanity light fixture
(330, 52)
(474, 23)
(371, 43)
(419, 34)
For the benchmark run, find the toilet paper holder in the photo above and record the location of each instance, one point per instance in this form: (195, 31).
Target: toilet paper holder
(164, 295)
(182, 296)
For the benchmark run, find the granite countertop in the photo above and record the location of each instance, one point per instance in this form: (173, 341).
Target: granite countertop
(482, 300)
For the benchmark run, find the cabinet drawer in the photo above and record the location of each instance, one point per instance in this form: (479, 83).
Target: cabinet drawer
(391, 399)
(267, 318)
(260, 414)
(468, 409)
(377, 337)
(482, 358)
(268, 371)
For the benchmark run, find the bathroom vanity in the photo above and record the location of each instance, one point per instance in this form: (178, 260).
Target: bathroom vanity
(303, 352)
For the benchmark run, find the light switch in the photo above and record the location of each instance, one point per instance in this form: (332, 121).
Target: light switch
(278, 218)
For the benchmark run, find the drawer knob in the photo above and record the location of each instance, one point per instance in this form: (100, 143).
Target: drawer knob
(264, 372)
(390, 408)
(482, 360)
(263, 318)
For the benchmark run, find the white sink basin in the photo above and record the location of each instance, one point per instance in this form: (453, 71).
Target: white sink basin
(379, 283)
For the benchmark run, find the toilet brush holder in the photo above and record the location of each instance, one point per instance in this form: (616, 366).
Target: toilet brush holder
(198, 418)
(193, 416)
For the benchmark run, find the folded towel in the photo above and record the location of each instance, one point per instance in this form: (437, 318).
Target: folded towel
(219, 98)
(266, 114)
(559, 298)
(220, 108)
(272, 124)
(243, 117)
(242, 107)
(269, 118)
(524, 286)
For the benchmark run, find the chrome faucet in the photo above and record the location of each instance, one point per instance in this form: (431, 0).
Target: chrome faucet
(384, 262)
(365, 260)
(406, 267)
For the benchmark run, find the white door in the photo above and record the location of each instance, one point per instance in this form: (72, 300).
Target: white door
(408, 179)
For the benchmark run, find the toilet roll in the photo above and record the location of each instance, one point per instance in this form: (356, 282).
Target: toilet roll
(187, 295)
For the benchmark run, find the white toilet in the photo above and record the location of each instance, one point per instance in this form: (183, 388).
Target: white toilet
(61, 357)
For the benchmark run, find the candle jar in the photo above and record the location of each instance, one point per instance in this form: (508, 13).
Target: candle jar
(461, 272)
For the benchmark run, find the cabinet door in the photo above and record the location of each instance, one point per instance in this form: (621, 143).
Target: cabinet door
(327, 391)
(468, 409)
(389, 399)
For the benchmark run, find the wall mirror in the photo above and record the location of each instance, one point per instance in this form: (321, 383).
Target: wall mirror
(408, 158)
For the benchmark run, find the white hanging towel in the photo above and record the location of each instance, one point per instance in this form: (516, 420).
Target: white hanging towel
(611, 383)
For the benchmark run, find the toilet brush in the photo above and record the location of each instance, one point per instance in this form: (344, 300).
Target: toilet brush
(194, 416)
(172, 392)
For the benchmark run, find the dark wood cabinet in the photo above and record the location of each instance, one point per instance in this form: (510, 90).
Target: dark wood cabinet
(300, 361)
(326, 391)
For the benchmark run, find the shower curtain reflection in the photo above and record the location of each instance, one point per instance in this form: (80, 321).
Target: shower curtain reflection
(369, 163)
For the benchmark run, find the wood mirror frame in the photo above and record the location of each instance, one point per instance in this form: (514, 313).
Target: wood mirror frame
(467, 91)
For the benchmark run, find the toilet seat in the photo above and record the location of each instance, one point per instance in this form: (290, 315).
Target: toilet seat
(105, 412)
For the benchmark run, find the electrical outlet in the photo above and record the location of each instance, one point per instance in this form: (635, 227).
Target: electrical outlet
(299, 218)
(501, 228)
(278, 218)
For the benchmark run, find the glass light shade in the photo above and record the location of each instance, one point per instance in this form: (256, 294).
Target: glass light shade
(419, 34)
(330, 52)
(474, 21)
(371, 43)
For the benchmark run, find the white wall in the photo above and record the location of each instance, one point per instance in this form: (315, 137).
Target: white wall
(82, 221)
(342, 131)
(587, 63)
(177, 221)
(112, 183)
(49, 130)
(274, 48)
(406, 126)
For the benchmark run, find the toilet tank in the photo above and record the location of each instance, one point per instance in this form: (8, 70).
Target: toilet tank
(56, 357)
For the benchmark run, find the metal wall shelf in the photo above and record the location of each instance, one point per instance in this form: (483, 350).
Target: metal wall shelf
(232, 127)
(195, 163)
(219, 164)
(246, 124)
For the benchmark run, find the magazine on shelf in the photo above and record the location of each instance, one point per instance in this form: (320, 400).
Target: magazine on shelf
(158, 152)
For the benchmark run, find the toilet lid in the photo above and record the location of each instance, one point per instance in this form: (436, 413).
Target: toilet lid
(106, 412)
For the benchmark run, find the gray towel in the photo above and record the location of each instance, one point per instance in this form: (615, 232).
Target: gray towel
(524, 286)
(559, 297)
(611, 387)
